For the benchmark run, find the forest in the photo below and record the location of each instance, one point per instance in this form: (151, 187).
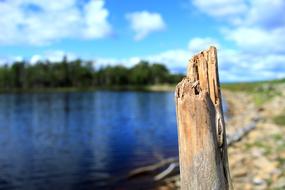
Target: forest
(82, 74)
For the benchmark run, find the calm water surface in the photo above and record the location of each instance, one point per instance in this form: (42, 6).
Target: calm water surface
(82, 140)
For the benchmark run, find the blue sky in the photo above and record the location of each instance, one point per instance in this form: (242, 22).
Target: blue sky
(249, 34)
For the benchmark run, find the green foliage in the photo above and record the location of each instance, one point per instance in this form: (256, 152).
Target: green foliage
(141, 73)
(279, 120)
(260, 91)
(245, 87)
(159, 73)
(80, 74)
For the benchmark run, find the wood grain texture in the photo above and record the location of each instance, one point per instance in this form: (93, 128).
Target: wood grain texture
(201, 128)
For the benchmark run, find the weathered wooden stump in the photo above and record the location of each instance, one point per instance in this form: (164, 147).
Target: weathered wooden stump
(201, 127)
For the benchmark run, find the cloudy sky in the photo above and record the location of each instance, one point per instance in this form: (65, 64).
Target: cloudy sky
(249, 34)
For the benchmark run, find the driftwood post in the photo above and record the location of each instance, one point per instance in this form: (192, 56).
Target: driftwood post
(201, 129)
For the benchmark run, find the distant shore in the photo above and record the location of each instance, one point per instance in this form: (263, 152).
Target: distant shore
(260, 90)
(151, 88)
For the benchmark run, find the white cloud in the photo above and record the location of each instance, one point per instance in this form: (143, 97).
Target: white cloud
(18, 58)
(38, 22)
(95, 18)
(3, 61)
(9, 59)
(52, 56)
(261, 28)
(260, 23)
(199, 44)
(58, 55)
(267, 14)
(128, 62)
(237, 65)
(143, 23)
(175, 60)
(257, 40)
(36, 58)
(255, 29)
(226, 9)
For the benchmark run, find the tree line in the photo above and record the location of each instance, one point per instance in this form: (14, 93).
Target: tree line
(82, 74)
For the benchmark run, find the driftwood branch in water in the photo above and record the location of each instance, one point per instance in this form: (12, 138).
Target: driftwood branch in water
(153, 167)
(166, 172)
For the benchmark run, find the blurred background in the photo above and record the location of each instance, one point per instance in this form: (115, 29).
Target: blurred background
(87, 90)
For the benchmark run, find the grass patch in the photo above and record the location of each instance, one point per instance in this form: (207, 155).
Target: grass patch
(244, 87)
(260, 98)
(277, 137)
(279, 143)
(261, 91)
(279, 120)
(259, 144)
(281, 161)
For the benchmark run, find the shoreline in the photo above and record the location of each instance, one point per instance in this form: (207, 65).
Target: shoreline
(166, 87)
(147, 88)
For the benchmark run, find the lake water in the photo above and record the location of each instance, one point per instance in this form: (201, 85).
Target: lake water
(82, 140)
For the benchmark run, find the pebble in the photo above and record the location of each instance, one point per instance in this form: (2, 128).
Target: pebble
(259, 181)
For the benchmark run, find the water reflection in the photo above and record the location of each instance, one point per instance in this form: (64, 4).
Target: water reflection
(81, 140)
